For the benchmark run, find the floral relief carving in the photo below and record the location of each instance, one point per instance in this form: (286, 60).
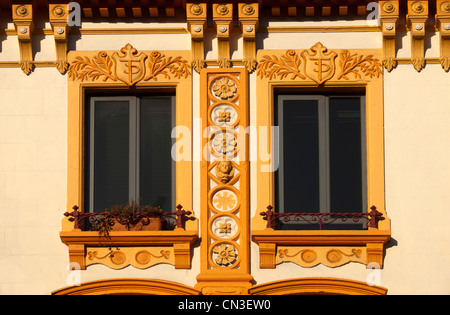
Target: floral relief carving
(224, 88)
(224, 254)
(224, 143)
(318, 64)
(224, 115)
(224, 227)
(128, 66)
(224, 200)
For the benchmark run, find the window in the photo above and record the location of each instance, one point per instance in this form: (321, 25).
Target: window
(128, 151)
(322, 159)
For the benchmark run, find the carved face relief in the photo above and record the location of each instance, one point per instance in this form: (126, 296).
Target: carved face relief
(224, 171)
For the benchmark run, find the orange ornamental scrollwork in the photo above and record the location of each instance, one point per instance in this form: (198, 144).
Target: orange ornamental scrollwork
(319, 64)
(128, 66)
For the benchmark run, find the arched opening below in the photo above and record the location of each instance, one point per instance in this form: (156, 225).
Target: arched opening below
(128, 287)
(326, 286)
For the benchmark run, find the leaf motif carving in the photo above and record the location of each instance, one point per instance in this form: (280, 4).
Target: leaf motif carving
(289, 65)
(357, 64)
(104, 66)
(100, 66)
(272, 67)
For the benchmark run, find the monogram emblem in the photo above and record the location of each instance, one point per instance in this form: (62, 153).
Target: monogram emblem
(319, 63)
(129, 65)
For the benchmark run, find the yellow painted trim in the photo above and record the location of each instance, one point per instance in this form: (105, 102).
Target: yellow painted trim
(117, 79)
(107, 31)
(275, 70)
(216, 277)
(128, 286)
(317, 286)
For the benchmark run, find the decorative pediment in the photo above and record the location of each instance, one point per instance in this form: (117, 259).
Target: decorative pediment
(128, 66)
(319, 64)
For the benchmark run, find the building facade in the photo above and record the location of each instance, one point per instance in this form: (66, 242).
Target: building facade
(279, 147)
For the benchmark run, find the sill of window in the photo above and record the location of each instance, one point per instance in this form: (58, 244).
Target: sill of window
(176, 245)
(331, 248)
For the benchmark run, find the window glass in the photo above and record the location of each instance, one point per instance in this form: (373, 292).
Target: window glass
(345, 155)
(155, 152)
(322, 163)
(111, 162)
(128, 152)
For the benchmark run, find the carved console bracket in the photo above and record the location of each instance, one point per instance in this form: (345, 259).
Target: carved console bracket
(58, 14)
(416, 22)
(389, 15)
(23, 22)
(149, 248)
(196, 18)
(223, 18)
(309, 248)
(248, 21)
(443, 26)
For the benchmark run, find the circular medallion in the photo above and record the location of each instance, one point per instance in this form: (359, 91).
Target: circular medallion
(224, 254)
(224, 143)
(308, 255)
(248, 9)
(58, 11)
(224, 88)
(224, 115)
(143, 257)
(22, 11)
(196, 9)
(334, 256)
(388, 7)
(117, 257)
(222, 9)
(445, 7)
(224, 227)
(417, 7)
(224, 200)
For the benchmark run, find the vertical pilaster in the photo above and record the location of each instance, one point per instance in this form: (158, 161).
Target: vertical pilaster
(225, 265)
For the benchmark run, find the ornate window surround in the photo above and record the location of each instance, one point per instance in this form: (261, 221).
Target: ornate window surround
(118, 71)
(299, 69)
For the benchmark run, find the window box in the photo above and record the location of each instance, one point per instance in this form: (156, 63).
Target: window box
(176, 243)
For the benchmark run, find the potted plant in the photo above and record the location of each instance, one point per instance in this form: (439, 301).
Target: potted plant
(129, 217)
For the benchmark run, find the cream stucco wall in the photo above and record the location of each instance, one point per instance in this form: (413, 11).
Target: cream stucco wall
(33, 155)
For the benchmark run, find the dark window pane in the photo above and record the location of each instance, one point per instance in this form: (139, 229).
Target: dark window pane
(345, 155)
(111, 161)
(301, 156)
(155, 152)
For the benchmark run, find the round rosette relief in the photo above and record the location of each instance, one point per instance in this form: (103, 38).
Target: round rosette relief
(224, 88)
(224, 254)
(224, 200)
(224, 226)
(224, 115)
